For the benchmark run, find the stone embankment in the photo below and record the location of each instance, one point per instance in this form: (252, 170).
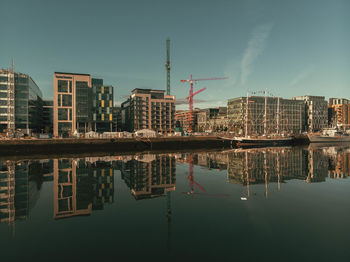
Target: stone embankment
(118, 145)
(50, 147)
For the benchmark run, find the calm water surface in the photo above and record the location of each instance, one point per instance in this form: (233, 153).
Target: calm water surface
(272, 204)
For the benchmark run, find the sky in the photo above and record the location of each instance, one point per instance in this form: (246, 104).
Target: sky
(290, 48)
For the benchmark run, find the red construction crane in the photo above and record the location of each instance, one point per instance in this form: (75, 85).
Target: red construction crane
(193, 183)
(191, 95)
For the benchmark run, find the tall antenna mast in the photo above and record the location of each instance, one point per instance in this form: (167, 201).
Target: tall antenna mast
(167, 66)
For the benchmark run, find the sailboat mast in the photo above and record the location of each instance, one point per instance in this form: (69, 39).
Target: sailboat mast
(278, 116)
(246, 117)
(265, 113)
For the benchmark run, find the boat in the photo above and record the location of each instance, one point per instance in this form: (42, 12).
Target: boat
(329, 135)
(263, 141)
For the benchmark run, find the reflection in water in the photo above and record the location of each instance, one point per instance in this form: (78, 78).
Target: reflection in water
(20, 184)
(82, 185)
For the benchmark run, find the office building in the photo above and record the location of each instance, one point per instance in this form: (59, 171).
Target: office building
(48, 116)
(282, 115)
(316, 112)
(102, 104)
(149, 109)
(81, 104)
(21, 103)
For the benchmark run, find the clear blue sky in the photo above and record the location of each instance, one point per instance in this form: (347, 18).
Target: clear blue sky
(291, 47)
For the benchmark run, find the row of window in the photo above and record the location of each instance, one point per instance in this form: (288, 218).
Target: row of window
(102, 117)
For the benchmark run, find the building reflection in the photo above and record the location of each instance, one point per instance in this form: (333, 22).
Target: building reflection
(81, 185)
(20, 184)
(261, 165)
(150, 176)
(87, 184)
(84, 185)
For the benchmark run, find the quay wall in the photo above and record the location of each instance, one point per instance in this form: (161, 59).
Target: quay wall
(116, 145)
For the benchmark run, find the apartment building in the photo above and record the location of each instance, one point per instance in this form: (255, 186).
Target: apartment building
(316, 112)
(149, 109)
(213, 119)
(150, 176)
(339, 112)
(182, 118)
(282, 115)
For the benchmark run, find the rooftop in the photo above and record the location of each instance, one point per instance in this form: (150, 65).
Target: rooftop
(65, 73)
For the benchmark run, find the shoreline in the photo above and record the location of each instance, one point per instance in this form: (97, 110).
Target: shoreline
(71, 146)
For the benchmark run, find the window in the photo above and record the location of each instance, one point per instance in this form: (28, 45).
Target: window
(110, 117)
(62, 114)
(62, 86)
(102, 89)
(64, 127)
(81, 84)
(66, 100)
(110, 103)
(3, 78)
(102, 117)
(21, 95)
(102, 103)
(70, 86)
(3, 87)
(3, 110)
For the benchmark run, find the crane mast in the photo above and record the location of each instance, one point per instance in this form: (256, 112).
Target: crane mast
(191, 95)
(167, 66)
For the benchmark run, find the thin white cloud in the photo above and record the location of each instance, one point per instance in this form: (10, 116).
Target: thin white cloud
(255, 46)
(302, 75)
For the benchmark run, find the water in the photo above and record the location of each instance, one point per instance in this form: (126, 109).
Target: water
(277, 204)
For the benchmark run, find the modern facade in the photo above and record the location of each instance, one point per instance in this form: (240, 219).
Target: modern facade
(339, 112)
(81, 104)
(149, 109)
(48, 116)
(212, 119)
(21, 103)
(102, 104)
(282, 115)
(71, 102)
(316, 112)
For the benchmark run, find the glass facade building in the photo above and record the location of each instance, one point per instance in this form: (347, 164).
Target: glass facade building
(81, 104)
(102, 103)
(28, 103)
